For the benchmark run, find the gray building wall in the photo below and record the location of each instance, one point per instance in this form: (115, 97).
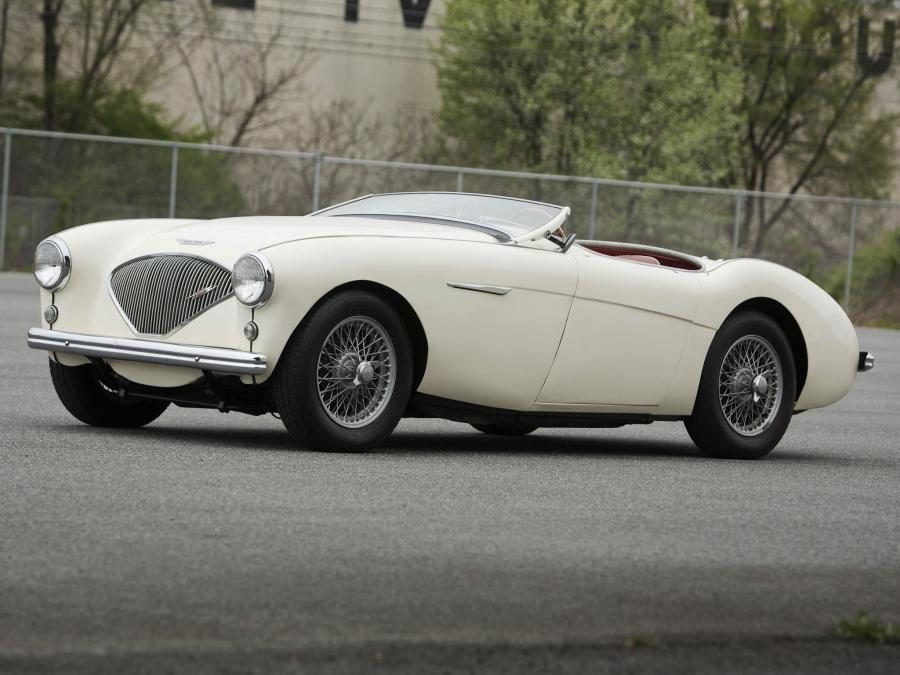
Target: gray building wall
(382, 59)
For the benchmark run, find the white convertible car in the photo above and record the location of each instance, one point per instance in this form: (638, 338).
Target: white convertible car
(468, 307)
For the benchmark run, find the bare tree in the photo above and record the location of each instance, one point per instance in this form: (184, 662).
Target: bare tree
(88, 39)
(241, 80)
(50, 22)
(810, 124)
(346, 129)
(4, 24)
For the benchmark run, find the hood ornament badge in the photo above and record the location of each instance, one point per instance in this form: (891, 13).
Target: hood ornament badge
(200, 292)
(195, 242)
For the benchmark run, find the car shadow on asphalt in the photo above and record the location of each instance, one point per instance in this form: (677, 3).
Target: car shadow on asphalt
(582, 443)
(586, 443)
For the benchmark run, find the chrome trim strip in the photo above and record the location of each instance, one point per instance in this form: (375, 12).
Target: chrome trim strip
(866, 362)
(499, 235)
(481, 288)
(214, 359)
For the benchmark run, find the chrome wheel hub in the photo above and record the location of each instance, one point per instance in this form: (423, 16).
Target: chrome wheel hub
(355, 372)
(365, 373)
(759, 387)
(750, 385)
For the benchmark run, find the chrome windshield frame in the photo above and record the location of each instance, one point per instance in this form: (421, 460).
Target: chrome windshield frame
(500, 235)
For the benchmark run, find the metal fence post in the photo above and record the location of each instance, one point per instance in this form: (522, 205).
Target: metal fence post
(592, 231)
(459, 181)
(4, 204)
(738, 216)
(850, 250)
(317, 180)
(173, 182)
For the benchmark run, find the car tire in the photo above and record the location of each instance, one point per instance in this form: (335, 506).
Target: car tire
(737, 415)
(328, 397)
(87, 400)
(508, 429)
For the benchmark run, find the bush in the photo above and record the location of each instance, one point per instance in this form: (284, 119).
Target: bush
(60, 183)
(875, 284)
(866, 628)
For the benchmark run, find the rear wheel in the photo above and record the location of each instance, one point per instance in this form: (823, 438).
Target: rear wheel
(747, 390)
(88, 400)
(509, 429)
(345, 378)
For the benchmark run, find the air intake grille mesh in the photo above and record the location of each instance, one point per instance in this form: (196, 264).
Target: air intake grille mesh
(160, 293)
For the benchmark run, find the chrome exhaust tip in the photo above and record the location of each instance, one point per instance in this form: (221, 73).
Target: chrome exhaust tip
(866, 362)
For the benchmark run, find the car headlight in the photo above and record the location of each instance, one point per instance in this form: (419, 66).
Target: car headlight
(52, 263)
(252, 279)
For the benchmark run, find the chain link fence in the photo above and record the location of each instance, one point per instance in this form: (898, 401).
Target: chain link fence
(52, 181)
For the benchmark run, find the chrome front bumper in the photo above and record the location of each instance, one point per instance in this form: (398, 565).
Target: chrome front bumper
(214, 359)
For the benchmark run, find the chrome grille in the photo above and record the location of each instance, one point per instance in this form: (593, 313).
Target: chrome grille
(157, 294)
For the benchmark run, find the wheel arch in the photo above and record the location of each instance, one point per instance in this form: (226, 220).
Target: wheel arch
(786, 321)
(401, 305)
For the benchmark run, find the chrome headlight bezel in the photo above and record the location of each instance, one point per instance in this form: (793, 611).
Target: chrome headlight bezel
(264, 275)
(64, 264)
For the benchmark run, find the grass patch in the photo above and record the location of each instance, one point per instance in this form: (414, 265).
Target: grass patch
(867, 628)
(640, 641)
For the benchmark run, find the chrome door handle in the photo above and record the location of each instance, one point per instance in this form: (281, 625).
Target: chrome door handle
(480, 288)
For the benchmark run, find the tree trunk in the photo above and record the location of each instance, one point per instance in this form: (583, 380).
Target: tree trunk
(49, 18)
(631, 216)
(4, 22)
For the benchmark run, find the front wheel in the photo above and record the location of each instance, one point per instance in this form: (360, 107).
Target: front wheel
(747, 390)
(88, 400)
(344, 380)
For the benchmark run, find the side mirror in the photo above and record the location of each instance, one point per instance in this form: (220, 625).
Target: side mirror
(567, 244)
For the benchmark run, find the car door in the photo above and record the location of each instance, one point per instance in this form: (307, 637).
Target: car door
(625, 334)
(494, 316)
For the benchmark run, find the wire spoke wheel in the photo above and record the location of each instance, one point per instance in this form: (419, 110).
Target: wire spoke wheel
(750, 385)
(355, 372)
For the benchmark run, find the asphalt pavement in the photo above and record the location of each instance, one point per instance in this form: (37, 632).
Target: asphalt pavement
(209, 543)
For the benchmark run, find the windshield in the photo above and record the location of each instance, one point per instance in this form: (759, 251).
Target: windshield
(503, 216)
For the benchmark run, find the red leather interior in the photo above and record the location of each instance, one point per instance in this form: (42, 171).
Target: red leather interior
(637, 254)
(648, 259)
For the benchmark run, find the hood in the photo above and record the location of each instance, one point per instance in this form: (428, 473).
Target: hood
(228, 238)
(224, 240)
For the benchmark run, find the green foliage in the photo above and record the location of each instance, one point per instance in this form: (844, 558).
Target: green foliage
(641, 641)
(769, 97)
(875, 285)
(122, 112)
(809, 119)
(112, 112)
(867, 628)
(666, 113)
(58, 184)
(622, 89)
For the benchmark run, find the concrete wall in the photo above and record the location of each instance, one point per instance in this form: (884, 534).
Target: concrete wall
(377, 61)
